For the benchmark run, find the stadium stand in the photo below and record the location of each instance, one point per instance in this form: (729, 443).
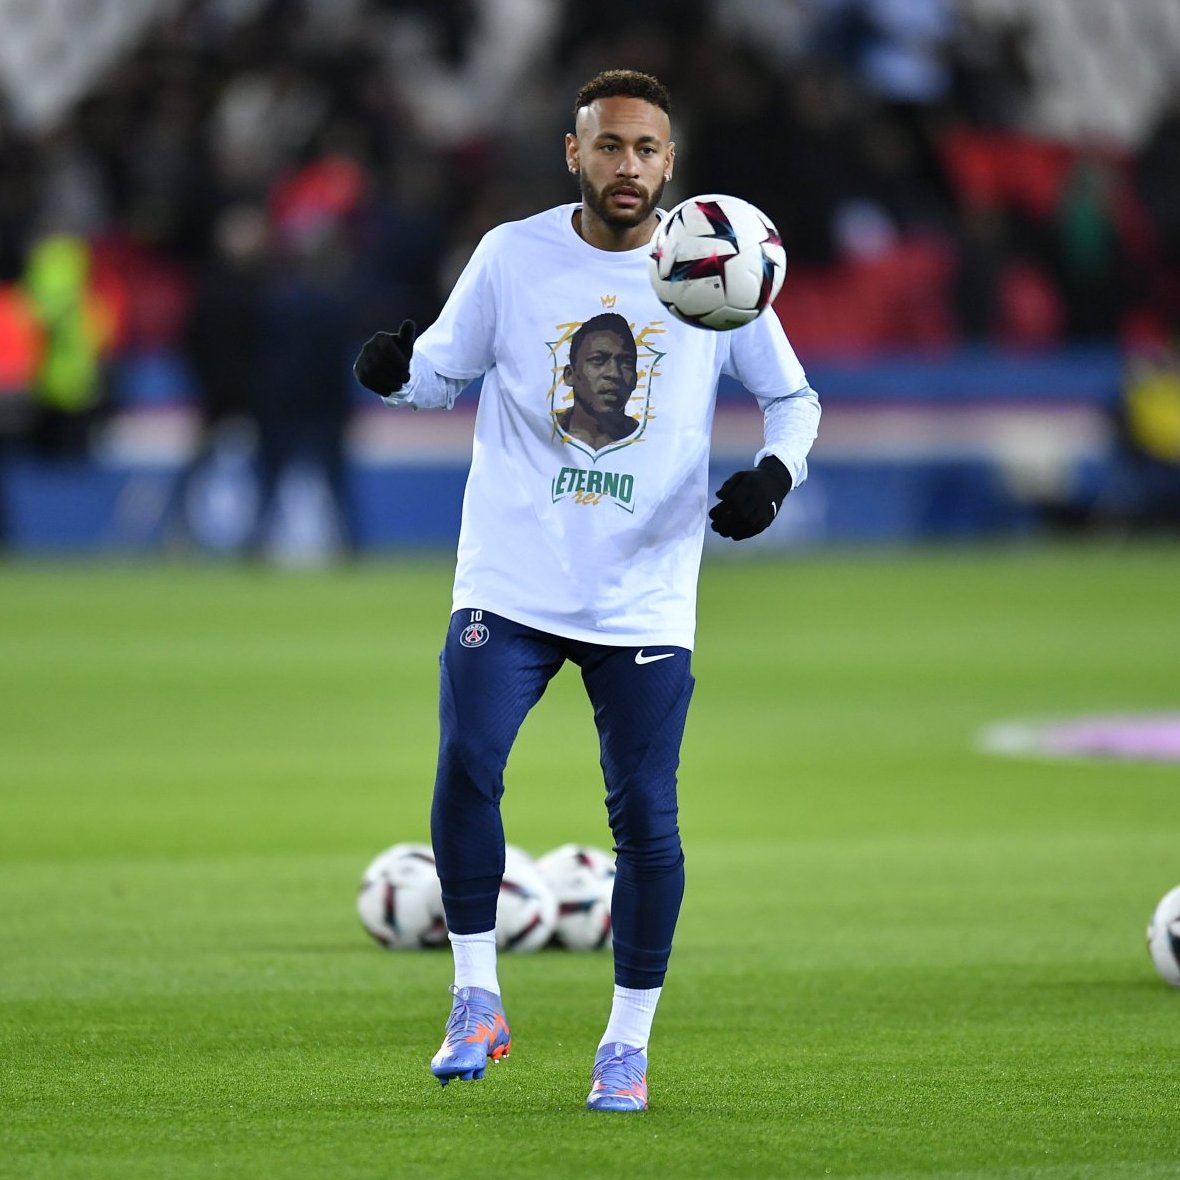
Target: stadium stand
(948, 175)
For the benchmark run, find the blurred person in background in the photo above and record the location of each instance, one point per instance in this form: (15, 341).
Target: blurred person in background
(1088, 252)
(1141, 493)
(1156, 180)
(304, 398)
(20, 332)
(223, 347)
(68, 386)
(549, 571)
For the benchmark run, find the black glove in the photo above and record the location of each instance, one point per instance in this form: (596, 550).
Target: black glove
(750, 500)
(383, 364)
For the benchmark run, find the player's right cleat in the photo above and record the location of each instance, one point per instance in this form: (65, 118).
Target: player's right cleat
(477, 1031)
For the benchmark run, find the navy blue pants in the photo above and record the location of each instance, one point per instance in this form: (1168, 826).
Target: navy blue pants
(493, 671)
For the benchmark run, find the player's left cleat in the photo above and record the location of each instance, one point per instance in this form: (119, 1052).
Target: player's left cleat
(619, 1080)
(477, 1032)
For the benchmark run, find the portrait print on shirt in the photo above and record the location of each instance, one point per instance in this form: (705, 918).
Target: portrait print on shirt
(600, 398)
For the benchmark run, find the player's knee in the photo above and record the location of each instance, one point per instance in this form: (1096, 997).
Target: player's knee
(466, 768)
(650, 856)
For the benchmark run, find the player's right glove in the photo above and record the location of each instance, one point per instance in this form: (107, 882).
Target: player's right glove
(383, 364)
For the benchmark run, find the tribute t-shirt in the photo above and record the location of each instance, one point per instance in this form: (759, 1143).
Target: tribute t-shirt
(591, 525)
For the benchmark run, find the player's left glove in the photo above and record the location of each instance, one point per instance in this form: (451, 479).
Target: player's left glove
(750, 500)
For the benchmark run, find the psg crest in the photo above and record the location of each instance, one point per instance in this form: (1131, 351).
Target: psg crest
(474, 635)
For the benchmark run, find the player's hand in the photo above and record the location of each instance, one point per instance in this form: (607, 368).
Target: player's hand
(383, 364)
(750, 500)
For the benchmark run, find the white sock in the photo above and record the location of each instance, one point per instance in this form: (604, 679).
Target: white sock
(475, 960)
(631, 1013)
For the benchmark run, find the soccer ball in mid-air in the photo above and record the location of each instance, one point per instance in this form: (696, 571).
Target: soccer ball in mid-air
(400, 899)
(716, 262)
(526, 911)
(1163, 937)
(582, 879)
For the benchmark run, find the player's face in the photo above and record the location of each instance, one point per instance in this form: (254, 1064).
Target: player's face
(623, 154)
(603, 377)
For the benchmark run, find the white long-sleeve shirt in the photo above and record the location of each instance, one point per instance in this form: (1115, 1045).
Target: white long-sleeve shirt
(600, 544)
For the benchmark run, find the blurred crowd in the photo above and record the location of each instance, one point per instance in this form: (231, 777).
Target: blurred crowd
(235, 205)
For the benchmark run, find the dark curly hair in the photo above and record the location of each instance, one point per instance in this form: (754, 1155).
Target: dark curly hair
(607, 321)
(624, 84)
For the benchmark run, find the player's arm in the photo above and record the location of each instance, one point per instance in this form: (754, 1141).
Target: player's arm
(790, 425)
(749, 500)
(388, 365)
(429, 372)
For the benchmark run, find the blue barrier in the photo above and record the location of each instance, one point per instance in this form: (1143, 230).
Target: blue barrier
(910, 448)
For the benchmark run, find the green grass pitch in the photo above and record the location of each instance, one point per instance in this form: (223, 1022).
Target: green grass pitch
(898, 956)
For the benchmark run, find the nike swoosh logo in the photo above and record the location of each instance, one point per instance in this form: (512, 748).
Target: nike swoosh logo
(640, 658)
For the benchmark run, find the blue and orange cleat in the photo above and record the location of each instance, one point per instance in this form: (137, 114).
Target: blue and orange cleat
(619, 1080)
(477, 1031)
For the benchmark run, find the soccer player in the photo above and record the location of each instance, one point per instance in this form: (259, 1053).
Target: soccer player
(583, 545)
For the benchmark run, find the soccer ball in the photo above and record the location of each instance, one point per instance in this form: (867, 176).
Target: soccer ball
(1163, 937)
(400, 899)
(716, 262)
(583, 880)
(526, 912)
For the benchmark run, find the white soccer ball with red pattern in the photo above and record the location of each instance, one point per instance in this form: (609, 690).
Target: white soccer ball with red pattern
(526, 912)
(400, 899)
(1163, 937)
(583, 880)
(716, 262)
